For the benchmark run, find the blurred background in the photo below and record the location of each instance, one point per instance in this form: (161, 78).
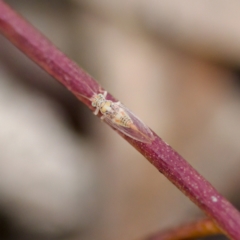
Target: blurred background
(176, 65)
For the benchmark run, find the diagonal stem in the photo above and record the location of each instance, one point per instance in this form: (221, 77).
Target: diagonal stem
(194, 230)
(161, 155)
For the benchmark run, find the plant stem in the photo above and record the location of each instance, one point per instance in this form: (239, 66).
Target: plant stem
(161, 155)
(195, 230)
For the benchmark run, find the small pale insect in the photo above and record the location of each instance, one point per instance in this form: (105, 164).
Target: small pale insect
(120, 118)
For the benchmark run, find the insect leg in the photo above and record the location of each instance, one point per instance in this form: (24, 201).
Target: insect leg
(105, 94)
(96, 111)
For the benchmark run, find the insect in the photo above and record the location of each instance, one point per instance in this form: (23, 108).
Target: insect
(119, 117)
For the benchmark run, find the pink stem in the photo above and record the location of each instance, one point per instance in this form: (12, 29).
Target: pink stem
(161, 155)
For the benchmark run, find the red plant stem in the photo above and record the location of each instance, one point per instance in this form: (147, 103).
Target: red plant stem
(201, 228)
(160, 154)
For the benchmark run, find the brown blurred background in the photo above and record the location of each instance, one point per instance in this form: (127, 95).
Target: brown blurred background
(63, 173)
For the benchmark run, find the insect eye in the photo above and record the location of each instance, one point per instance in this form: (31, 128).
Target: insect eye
(94, 104)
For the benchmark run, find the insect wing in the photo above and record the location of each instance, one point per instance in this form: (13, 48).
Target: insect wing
(139, 131)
